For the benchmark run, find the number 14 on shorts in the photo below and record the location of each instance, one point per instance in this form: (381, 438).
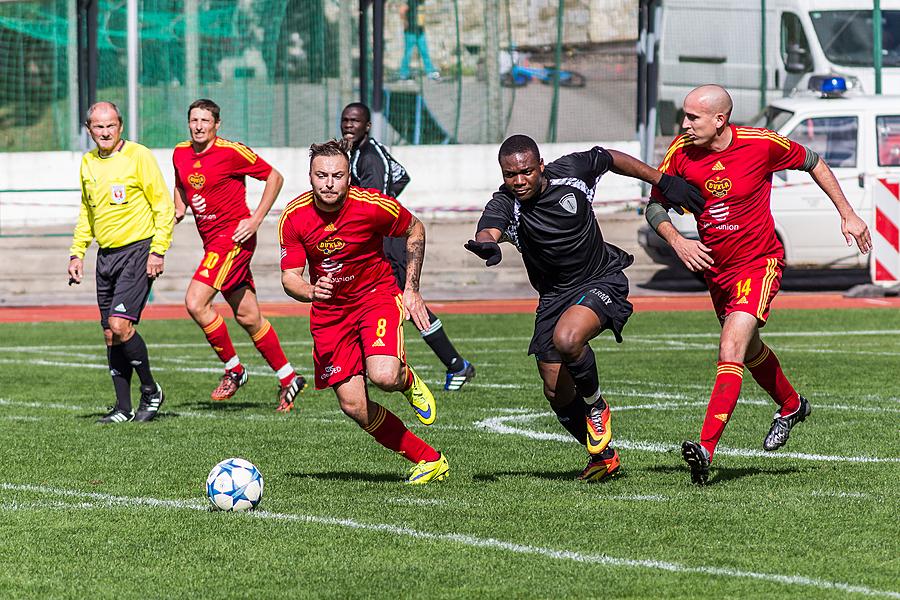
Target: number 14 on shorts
(743, 287)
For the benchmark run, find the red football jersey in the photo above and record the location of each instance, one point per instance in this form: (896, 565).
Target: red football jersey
(347, 243)
(736, 183)
(214, 184)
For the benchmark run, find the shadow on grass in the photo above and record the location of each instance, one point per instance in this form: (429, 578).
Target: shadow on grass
(723, 474)
(546, 475)
(212, 406)
(347, 476)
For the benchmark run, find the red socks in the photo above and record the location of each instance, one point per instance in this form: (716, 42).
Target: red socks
(391, 433)
(266, 341)
(726, 390)
(766, 370)
(217, 336)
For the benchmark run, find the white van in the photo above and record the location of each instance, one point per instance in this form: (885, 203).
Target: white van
(858, 137)
(721, 42)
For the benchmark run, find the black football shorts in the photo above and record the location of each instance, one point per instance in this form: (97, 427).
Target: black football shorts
(122, 283)
(606, 296)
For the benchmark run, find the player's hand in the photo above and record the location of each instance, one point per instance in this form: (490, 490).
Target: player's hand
(679, 192)
(245, 230)
(855, 228)
(76, 270)
(179, 215)
(693, 254)
(155, 266)
(324, 288)
(489, 251)
(414, 308)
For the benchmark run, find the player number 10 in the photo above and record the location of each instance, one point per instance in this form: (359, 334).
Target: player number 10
(211, 260)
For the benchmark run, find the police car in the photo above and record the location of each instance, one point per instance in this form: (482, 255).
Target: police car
(857, 136)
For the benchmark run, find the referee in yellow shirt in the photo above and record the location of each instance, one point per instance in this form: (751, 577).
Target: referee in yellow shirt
(126, 207)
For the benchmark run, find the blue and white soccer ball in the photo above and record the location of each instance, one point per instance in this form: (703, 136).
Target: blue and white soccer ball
(235, 485)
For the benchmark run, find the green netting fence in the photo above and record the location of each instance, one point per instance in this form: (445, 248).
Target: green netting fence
(283, 69)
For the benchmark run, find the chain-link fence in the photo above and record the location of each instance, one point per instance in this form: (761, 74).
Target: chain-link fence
(456, 71)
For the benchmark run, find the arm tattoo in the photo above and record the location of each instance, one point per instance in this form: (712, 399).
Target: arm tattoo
(415, 253)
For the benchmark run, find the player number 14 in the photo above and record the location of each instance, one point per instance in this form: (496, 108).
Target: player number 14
(743, 287)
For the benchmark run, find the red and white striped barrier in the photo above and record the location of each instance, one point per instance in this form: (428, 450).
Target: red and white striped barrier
(886, 237)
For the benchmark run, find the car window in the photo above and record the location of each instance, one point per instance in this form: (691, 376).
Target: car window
(794, 45)
(832, 138)
(771, 118)
(888, 128)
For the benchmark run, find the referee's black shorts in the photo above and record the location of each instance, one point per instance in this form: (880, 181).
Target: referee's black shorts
(606, 296)
(395, 251)
(122, 283)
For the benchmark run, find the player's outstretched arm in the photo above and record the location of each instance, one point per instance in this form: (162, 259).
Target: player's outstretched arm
(678, 192)
(852, 226)
(486, 246)
(415, 257)
(246, 228)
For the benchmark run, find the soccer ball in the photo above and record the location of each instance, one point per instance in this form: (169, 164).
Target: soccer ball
(235, 485)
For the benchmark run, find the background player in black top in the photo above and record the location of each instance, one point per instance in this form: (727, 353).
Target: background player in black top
(372, 166)
(546, 212)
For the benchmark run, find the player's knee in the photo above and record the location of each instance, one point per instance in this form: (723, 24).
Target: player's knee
(249, 321)
(120, 329)
(568, 343)
(386, 377)
(730, 351)
(355, 411)
(549, 393)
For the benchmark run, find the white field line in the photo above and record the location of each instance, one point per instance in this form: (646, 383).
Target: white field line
(831, 494)
(486, 340)
(640, 498)
(416, 501)
(470, 541)
(502, 425)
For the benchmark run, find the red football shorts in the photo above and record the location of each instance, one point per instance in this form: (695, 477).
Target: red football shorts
(226, 265)
(344, 336)
(749, 289)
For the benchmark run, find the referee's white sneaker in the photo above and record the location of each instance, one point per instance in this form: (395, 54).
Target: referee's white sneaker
(151, 400)
(116, 416)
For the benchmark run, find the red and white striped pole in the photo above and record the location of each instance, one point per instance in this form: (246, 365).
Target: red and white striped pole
(885, 263)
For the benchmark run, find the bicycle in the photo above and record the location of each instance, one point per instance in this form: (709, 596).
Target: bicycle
(519, 75)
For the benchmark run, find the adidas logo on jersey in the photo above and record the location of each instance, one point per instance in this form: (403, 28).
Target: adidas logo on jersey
(330, 227)
(378, 343)
(197, 164)
(718, 166)
(204, 273)
(120, 307)
(743, 300)
(722, 417)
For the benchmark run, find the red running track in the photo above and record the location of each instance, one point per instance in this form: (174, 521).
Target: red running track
(785, 301)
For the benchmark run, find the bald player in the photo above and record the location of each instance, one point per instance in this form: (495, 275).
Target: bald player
(738, 253)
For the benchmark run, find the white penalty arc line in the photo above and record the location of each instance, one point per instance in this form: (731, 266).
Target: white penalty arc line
(466, 540)
(502, 425)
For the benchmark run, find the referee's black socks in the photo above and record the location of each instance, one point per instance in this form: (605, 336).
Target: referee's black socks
(441, 345)
(135, 350)
(121, 370)
(584, 374)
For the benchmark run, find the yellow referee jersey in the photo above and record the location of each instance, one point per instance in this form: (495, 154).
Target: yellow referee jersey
(124, 199)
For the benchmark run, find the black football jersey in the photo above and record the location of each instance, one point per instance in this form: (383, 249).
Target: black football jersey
(557, 233)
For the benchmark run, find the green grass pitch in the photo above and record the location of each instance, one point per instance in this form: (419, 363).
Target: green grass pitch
(88, 511)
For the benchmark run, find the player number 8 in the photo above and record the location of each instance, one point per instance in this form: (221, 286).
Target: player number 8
(382, 328)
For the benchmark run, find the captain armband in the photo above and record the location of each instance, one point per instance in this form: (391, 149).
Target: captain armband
(656, 214)
(811, 160)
